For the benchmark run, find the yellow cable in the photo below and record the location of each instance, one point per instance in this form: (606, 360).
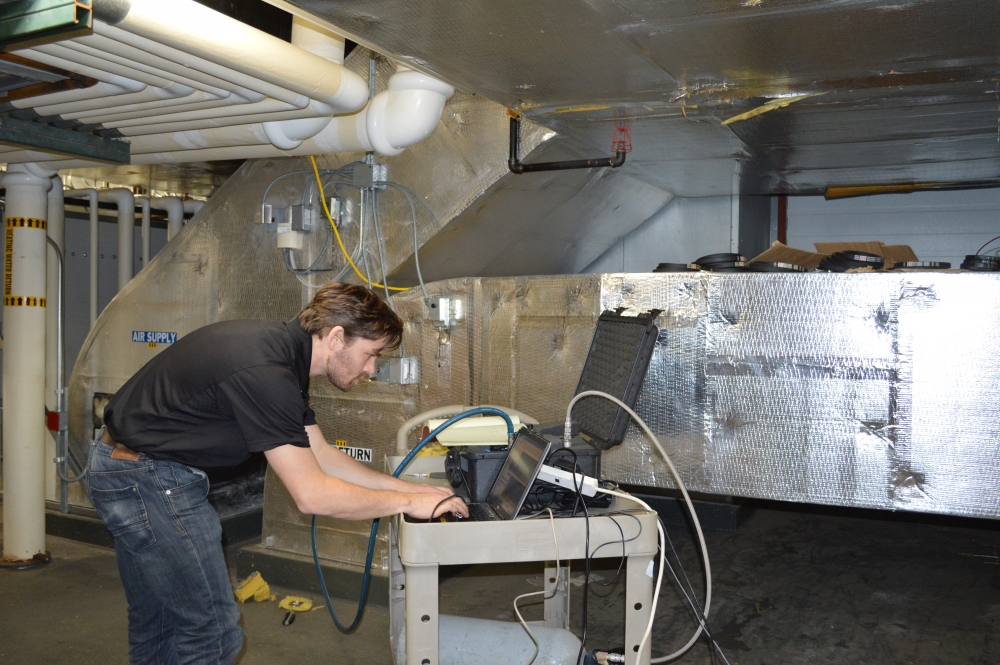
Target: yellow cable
(340, 243)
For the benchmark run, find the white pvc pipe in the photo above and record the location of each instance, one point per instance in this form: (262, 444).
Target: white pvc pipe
(24, 361)
(55, 218)
(217, 120)
(265, 107)
(199, 100)
(407, 112)
(180, 57)
(101, 73)
(397, 118)
(74, 53)
(207, 34)
(144, 203)
(192, 206)
(73, 57)
(147, 94)
(175, 213)
(94, 210)
(125, 200)
(318, 40)
(128, 56)
(121, 86)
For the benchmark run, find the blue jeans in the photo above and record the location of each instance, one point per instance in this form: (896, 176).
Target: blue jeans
(168, 541)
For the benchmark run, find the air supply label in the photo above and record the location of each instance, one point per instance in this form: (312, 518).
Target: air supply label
(150, 337)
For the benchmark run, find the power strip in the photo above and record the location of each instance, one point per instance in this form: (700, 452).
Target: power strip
(567, 480)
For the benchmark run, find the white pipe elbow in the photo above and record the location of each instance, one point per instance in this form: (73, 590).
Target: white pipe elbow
(40, 171)
(173, 91)
(120, 85)
(192, 206)
(124, 199)
(407, 112)
(175, 213)
(289, 134)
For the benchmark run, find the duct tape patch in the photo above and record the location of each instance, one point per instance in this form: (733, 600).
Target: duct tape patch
(23, 301)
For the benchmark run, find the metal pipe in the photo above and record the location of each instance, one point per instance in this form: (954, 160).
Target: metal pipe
(515, 165)
(94, 245)
(61, 443)
(54, 363)
(24, 362)
(144, 202)
(175, 213)
(125, 201)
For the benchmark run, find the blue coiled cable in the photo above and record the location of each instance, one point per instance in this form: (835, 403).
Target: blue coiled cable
(371, 539)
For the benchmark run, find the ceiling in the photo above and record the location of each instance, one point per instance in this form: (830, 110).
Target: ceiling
(196, 179)
(899, 91)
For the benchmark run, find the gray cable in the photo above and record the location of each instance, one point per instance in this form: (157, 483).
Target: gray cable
(381, 249)
(416, 243)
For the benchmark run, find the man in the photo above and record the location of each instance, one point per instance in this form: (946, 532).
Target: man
(219, 394)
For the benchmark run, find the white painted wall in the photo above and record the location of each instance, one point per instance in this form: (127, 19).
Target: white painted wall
(939, 226)
(680, 232)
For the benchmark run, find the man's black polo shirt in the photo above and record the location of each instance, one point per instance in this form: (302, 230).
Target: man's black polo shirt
(218, 394)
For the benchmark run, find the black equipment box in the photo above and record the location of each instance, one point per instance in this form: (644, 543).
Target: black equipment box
(479, 466)
(616, 363)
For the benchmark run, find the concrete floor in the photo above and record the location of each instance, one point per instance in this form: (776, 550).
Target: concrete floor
(791, 586)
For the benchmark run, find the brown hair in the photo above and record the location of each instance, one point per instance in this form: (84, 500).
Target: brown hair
(359, 311)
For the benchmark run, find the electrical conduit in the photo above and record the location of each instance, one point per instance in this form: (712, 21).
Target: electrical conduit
(56, 231)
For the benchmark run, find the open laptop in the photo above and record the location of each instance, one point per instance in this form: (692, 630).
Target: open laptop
(517, 475)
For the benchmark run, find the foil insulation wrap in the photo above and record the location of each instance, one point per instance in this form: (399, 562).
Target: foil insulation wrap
(867, 390)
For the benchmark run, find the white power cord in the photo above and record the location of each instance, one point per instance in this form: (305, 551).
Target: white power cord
(552, 521)
(690, 506)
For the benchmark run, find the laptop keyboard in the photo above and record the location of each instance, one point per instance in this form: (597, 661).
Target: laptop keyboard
(481, 513)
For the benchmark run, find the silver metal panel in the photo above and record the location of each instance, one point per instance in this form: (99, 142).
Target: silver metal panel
(866, 390)
(906, 90)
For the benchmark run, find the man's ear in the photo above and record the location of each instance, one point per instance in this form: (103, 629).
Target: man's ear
(336, 339)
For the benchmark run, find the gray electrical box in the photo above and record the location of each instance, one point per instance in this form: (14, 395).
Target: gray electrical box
(401, 371)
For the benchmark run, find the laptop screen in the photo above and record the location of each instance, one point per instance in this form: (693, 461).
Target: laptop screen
(518, 473)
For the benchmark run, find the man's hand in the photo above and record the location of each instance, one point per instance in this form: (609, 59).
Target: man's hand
(422, 505)
(419, 488)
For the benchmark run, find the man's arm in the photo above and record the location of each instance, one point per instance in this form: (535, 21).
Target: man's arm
(318, 493)
(338, 464)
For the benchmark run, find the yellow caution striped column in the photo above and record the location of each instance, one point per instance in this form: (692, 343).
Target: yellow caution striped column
(24, 435)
